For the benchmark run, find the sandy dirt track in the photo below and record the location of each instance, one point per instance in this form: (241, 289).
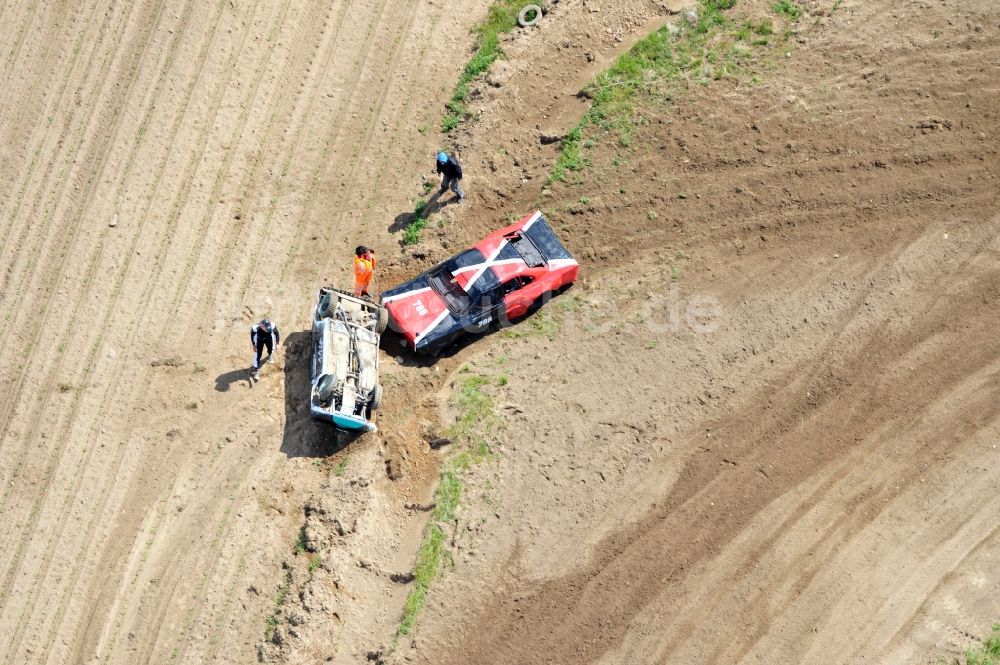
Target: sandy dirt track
(815, 480)
(170, 171)
(815, 476)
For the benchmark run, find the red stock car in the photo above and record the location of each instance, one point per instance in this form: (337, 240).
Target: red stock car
(498, 280)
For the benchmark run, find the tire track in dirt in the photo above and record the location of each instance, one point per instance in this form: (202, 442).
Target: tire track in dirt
(26, 101)
(17, 246)
(36, 255)
(629, 555)
(212, 555)
(240, 565)
(145, 298)
(272, 118)
(340, 115)
(388, 156)
(816, 557)
(236, 230)
(72, 318)
(33, 347)
(898, 638)
(204, 224)
(282, 175)
(49, 384)
(362, 141)
(89, 446)
(12, 53)
(843, 526)
(92, 354)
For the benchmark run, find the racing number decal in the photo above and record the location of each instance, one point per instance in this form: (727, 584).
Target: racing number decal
(420, 307)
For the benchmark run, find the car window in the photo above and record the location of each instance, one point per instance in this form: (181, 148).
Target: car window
(454, 296)
(515, 283)
(526, 249)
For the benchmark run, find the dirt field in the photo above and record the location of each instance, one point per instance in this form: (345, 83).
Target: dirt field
(762, 428)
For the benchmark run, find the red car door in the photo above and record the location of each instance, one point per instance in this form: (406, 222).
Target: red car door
(520, 293)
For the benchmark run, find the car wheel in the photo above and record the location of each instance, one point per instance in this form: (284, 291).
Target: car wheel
(324, 388)
(383, 320)
(375, 400)
(323, 309)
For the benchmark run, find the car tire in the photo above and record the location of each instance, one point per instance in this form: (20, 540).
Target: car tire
(522, 16)
(325, 387)
(323, 308)
(376, 398)
(383, 320)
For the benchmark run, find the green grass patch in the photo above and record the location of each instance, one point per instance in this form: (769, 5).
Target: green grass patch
(788, 8)
(476, 422)
(989, 653)
(341, 467)
(300, 543)
(476, 416)
(501, 19)
(271, 624)
(539, 324)
(426, 569)
(418, 221)
(659, 67)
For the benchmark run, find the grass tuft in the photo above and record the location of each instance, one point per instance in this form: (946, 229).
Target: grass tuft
(418, 221)
(501, 19)
(477, 420)
(424, 572)
(709, 47)
(989, 653)
(271, 625)
(788, 8)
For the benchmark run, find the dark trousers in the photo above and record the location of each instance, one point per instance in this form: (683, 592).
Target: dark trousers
(262, 343)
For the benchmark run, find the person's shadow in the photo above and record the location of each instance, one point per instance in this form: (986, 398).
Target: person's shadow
(403, 220)
(303, 436)
(224, 382)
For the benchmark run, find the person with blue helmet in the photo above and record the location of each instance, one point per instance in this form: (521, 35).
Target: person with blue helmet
(451, 175)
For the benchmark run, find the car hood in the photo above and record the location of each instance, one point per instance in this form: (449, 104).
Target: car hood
(421, 313)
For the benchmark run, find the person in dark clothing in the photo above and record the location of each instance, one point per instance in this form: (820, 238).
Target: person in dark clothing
(263, 335)
(451, 175)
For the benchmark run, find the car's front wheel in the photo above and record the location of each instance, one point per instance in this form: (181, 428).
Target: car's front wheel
(376, 398)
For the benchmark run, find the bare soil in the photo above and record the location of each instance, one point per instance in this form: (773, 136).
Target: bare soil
(762, 428)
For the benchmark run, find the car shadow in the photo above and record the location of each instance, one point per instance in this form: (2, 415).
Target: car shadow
(303, 436)
(224, 382)
(404, 356)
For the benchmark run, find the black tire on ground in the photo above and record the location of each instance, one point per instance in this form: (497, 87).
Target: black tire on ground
(376, 398)
(383, 320)
(522, 17)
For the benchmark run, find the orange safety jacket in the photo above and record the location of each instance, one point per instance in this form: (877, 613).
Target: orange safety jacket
(363, 270)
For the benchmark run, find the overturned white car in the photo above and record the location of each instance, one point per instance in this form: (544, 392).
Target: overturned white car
(344, 373)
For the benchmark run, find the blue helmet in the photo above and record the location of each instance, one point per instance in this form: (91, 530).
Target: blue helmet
(442, 157)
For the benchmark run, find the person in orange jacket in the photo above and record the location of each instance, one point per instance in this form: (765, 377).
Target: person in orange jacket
(364, 268)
